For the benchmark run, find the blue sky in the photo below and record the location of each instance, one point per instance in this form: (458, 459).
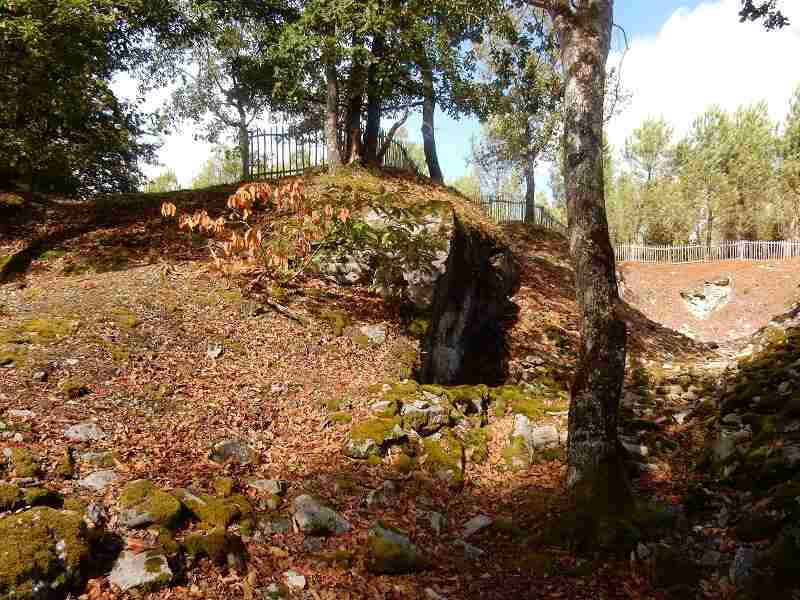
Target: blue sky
(683, 57)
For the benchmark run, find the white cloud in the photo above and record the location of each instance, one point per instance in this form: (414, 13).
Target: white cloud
(704, 57)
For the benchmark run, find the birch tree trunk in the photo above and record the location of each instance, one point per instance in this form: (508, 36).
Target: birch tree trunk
(596, 470)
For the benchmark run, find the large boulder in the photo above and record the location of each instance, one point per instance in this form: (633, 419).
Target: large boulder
(466, 341)
(143, 504)
(312, 517)
(43, 553)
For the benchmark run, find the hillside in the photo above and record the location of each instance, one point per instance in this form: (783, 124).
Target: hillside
(116, 323)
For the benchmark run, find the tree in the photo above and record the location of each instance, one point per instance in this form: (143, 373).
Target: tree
(222, 167)
(766, 11)
(61, 127)
(595, 471)
(166, 181)
(789, 172)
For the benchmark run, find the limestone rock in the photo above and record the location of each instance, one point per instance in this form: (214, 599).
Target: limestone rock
(146, 571)
(475, 524)
(143, 504)
(376, 334)
(314, 518)
(276, 487)
(84, 432)
(294, 580)
(99, 480)
(424, 417)
(391, 552)
(215, 511)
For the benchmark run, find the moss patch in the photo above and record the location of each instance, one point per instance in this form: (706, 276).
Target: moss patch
(23, 463)
(73, 387)
(341, 417)
(338, 320)
(445, 459)
(218, 545)
(143, 497)
(124, 317)
(48, 329)
(378, 429)
(42, 544)
(214, 511)
(10, 496)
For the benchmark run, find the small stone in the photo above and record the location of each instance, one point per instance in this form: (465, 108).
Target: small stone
(233, 450)
(294, 580)
(84, 432)
(146, 570)
(215, 350)
(475, 524)
(391, 552)
(275, 525)
(40, 376)
(741, 570)
(436, 520)
(471, 552)
(20, 414)
(276, 487)
(313, 518)
(376, 334)
(99, 480)
(381, 495)
(431, 594)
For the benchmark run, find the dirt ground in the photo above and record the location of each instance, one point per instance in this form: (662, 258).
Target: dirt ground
(761, 290)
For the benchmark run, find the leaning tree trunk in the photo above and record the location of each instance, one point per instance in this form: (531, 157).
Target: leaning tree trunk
(596, 471)
(530, 191)
(428, 110)
(334, 158)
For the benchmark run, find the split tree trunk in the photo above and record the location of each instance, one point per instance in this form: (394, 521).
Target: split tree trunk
(428, 110)
(596, 471)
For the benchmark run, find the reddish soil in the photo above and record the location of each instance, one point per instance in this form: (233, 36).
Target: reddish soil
(761, 290)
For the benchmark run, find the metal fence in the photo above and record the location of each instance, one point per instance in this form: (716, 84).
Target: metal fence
(733, 250)
(285, 151)
(509, 210)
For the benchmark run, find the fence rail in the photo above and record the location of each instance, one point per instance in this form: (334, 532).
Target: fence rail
(509, 210)
(285, 151)
(734, 250)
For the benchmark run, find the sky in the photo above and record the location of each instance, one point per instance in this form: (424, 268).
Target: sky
(682, 57)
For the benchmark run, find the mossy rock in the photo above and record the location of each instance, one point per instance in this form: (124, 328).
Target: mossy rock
(445, 459)
(371, 437)
(476, 444)
(218, 545)
(214, 511)
(418, 328)
(223, 486)
(405, 464)
(341, 418)
(125, 318)
(469, 399)
(23, 463)
(391, 552)
(42, 547)
(144, 504)
(520, 401)
(48, 329)
(517, 455)
(408, 391)
(339, 320)
(11, 497)
(37, 496)
(65, 467)
(73, 387)
(9, 359)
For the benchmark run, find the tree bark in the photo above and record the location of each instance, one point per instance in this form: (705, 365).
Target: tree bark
(374, 104)
(596, 471)
(334, 158)
(428, 110)
(530, 191)
(355, 105)
(244, 144)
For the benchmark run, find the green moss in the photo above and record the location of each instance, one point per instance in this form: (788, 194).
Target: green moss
(362, 341)
(521, 401)
(42, 544)
(10, 496)
(403, 392)
(516, 455)
(23, 463)
(65, 467)
(217, 545)
(445, 459)
(243, 506)
(73, 387)
(405, 463)
(378, 429)
(125, 317)
(338, 320)
(11, 359)
(75, 505)
(223, 486)
(43, 497)
(476, 441)
(144, 497)
(341, 417)
(49, 329)
(208, 509)
(418, 328)
(373, 460)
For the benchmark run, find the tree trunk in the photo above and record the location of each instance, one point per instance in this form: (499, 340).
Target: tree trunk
(244, 145)
(428, 109)
(355, 105)
(334, 158)
(596, 472)
(530, 191)
(374, 104)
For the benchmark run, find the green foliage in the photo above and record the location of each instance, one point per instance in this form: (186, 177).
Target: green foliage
(61, 127)
(166, 181)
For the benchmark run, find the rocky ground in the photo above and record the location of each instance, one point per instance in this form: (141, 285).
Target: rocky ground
(166, 435)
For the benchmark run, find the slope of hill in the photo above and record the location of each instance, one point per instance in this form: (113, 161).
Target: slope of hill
(127, 358)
